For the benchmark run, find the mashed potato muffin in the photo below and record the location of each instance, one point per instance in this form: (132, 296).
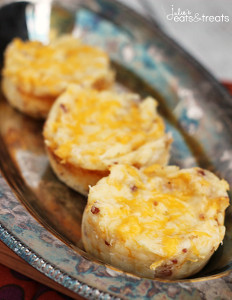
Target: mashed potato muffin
(34, 74)
(156, 222)
(87, 131)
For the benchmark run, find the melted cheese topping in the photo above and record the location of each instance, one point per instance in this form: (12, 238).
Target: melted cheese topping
(96, 129)
(40, 69)
(162, 210)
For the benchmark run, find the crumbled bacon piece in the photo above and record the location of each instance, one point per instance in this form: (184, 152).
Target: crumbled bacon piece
(164, 272)
(134, 188)
(63, 107)
(216, 219)
(174, 261)
(202, 217)
(95, 210)
(184, 250)
(201, 172)
(107, 244)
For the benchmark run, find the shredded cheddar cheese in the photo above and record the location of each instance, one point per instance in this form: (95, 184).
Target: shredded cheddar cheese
(95, 129)
(44, 70)
(168, 218)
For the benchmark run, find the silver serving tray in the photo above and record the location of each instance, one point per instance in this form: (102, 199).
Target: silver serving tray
(40, 218)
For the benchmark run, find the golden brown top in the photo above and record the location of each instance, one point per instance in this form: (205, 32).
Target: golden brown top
(96, 129)
(163, 210)
(40, 69)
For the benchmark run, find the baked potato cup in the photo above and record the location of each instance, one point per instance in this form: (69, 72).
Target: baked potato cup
(87, 131)
(156, 222)
(34, 74)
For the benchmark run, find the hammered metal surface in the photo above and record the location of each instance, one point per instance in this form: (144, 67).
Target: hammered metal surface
(42, 223)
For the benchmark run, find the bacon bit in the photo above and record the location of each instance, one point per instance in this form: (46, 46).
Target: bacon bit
(63, 107)
(115, 163)
(137, 166)
(201, 172)
(95, 210)
(133, 188)
(155, 203)
(174, 261)
(202, 217)
(165, 272)
(107, 244)
(100, 84)
(216, 219)
(184, 250)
